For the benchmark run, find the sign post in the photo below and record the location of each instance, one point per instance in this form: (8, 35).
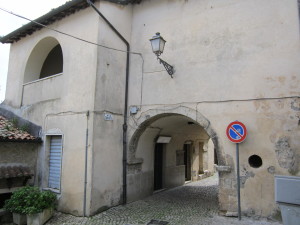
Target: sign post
(236, 133)
(238, 180)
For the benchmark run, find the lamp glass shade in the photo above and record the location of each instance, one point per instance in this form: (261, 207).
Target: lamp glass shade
(162, 43)
(158, 44)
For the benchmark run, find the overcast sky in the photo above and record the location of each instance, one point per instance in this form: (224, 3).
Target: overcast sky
(31, 9)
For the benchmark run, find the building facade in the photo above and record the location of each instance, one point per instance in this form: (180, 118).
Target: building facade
(116, 126)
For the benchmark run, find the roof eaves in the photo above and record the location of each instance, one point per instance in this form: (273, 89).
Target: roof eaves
(15, 171)
(52, 16)
(38, 140)
(17, 129)
(125, 2)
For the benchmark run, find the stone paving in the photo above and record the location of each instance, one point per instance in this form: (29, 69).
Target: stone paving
(195, 203)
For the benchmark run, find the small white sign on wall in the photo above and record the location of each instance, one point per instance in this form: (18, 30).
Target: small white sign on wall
(108, 117)
(163, 139)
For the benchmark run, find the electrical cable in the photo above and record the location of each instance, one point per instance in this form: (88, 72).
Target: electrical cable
(86, 41)
(69, 35)
(224, 101)
(140, 54)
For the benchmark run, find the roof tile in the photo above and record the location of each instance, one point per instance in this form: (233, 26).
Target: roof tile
(9, 132)
(14, 171)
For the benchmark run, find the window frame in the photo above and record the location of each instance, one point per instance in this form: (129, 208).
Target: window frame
(48, 137)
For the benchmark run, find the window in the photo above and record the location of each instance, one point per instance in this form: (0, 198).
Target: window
(55, 159)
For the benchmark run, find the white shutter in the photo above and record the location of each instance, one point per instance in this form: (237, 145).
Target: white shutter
(55, 162)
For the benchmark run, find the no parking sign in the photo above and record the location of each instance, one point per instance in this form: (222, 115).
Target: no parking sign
(236, 132)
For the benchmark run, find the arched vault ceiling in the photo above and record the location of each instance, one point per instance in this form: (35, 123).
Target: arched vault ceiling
(176, 124)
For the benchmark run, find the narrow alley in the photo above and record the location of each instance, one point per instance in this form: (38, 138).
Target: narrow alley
(194, 203)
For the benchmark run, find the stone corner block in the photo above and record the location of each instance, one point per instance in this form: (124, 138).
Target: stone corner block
(223, 168)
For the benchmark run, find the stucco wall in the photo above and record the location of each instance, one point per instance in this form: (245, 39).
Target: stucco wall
(141, 175)
(234, 60)
(20, 154)
(208, 156)
(78, 72)
(177, 143)
(63, 109)
(107, 169)
(267, 128)
(92, 80)
(107, 163)
(216, 47)
(73, 128)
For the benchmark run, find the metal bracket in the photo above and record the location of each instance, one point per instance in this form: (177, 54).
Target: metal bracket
(167, 66)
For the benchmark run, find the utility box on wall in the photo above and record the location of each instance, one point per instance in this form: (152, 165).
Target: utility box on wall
(287, 195)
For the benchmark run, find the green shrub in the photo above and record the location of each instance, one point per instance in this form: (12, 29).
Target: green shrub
(24, 127)
(17, 202)
(30, 200)
(14, 121)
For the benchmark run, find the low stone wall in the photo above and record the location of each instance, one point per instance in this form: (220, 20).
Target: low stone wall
(139, 185)
(174, 176)
(19, 154)
(206, 174)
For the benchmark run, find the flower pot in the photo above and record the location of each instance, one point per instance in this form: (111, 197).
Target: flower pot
(19, 219)
(40, 218)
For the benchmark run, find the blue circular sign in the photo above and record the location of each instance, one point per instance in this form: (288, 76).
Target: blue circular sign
(236, 132)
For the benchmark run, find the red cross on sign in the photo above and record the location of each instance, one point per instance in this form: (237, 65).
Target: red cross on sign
(236, 132)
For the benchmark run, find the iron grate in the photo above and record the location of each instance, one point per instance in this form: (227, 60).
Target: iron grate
(157, 222)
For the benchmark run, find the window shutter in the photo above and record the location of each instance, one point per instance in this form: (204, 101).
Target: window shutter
(55, 162)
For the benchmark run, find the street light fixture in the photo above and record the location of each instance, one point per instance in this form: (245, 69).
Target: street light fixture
(158, 44)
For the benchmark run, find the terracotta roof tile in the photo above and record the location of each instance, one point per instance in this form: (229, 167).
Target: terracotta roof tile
(14, 171)
(9, 132)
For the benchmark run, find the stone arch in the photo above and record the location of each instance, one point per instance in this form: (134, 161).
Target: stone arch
(37, 57)
(148, 117)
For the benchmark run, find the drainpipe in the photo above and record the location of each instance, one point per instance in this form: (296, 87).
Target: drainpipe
(86, 160)
(126, 101)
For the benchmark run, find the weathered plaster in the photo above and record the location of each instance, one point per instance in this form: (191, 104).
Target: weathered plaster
(148, 117)
(244, 176)
(223, 73)
(286, 156)
(140, 124)
(295, 104)
(25, 154)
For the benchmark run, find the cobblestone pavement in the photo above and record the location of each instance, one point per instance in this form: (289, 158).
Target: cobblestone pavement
(195, 203)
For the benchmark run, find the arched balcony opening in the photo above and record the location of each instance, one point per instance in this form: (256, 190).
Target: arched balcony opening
(43, 72)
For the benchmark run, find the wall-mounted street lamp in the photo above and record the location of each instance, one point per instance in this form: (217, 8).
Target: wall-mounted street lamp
(158, 44)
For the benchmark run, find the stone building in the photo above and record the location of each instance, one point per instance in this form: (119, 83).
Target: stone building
(18, 151)
(117, 127)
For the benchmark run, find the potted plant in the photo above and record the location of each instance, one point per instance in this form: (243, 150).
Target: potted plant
(16, 205)
(37, 205)
(40, 209)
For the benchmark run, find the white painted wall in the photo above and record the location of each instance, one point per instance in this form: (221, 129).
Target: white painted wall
(64, 105)
(107, 178)
(245, 51)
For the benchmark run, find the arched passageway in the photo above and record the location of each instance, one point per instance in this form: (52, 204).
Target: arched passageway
(167, 149)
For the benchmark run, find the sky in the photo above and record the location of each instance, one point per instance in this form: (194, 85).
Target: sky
(31, 9)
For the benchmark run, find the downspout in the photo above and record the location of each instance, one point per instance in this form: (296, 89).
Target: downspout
(126, 101)
(86, 160)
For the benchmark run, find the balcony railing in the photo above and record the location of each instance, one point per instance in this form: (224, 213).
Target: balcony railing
(48, 88)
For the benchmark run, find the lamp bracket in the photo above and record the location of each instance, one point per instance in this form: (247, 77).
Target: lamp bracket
(167, 66)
